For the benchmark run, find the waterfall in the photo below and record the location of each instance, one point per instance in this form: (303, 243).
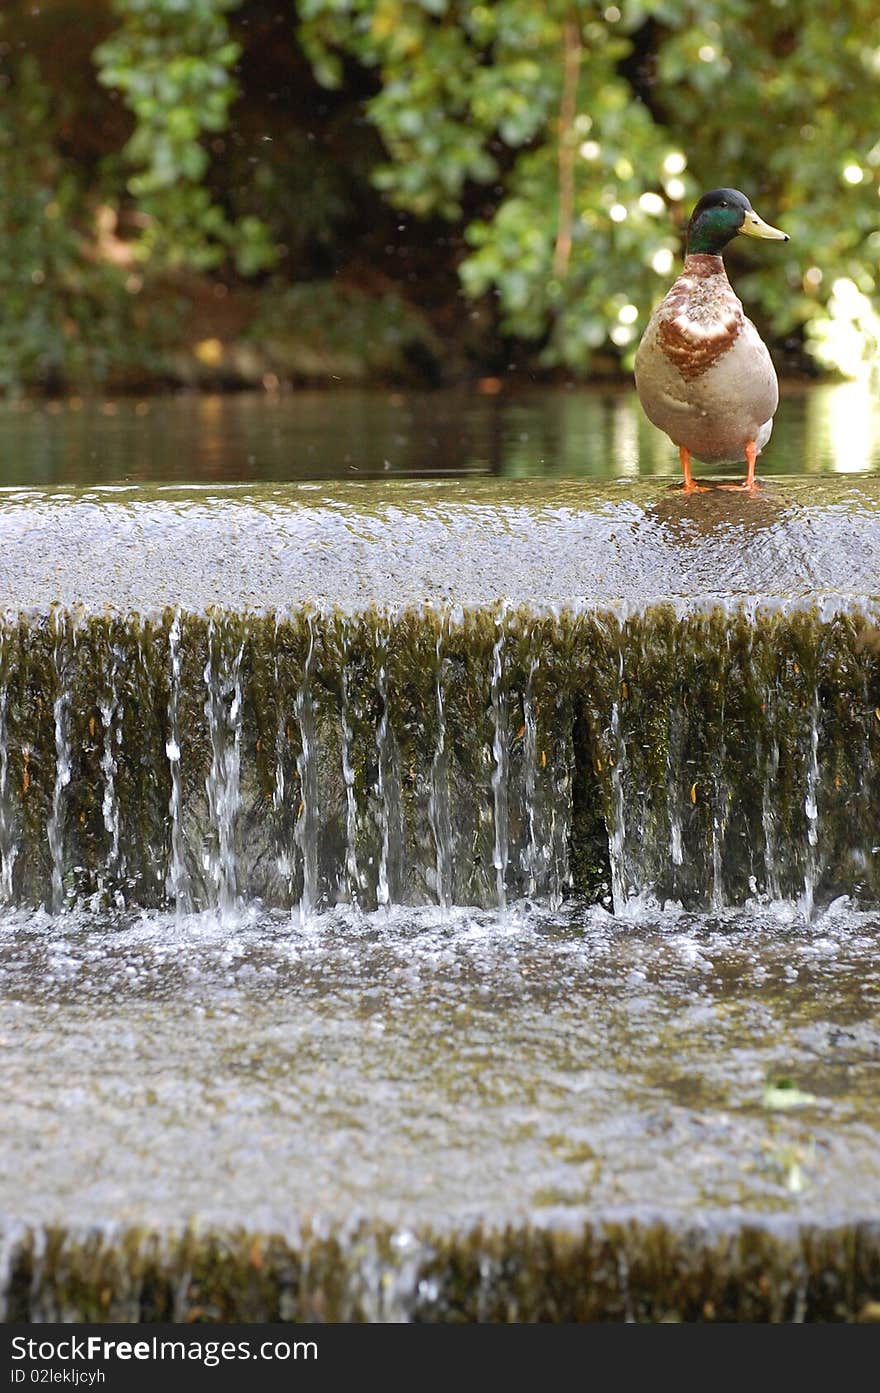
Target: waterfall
(177, 880)
(8, 821)
(617, 836)
(560, 817)
(63, 758)
(352, 878)
(222, 786)
(306, 830)
(388, 791)
(110, 711)
(401, 757)
(534, 855)
(811, 809)
(439, 812)
(500, 755)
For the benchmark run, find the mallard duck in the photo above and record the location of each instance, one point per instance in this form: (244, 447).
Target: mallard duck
(703, 373)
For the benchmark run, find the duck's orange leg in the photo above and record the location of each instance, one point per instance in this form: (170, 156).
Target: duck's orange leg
(749, 483)
(690, 485)
(751, 457)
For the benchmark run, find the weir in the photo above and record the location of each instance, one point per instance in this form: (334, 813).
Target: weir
(507, 854)
(333, 712)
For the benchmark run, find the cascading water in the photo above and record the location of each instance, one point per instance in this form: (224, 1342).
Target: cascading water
(63, 767)
(622, 889)
(177, 880)
(222, 785)
(500, 770)
(111, 722)
(8, 829)
(306, 833)
(434, 755)
(438, 806)
(352, 879)
(811, 809)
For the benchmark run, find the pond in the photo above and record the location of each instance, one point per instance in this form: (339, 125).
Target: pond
(359, 434)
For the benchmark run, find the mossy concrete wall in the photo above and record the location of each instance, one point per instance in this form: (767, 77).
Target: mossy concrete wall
(603, 1272)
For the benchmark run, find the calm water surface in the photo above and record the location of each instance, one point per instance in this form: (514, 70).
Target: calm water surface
(367, 433)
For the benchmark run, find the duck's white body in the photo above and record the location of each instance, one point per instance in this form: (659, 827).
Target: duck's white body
(703, 373)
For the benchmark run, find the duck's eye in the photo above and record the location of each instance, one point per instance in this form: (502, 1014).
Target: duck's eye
(723, 204)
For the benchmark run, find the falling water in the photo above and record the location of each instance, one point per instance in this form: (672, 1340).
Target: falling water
(500, 755)
(769, 816)
(222, 676)
(674, 762)
(63, 767)
(177, 885)
(8, 829)
(617, 848)
(811, 808)
(534, 852)
(388, 781)
(110, 710)
(560, 815)
(368, 790)
(352, 870)
(286, 858)
(719, 813)
(306, 831)
(439, 812)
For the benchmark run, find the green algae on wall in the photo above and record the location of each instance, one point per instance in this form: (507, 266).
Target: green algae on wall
(424, 754)
(604, 1271)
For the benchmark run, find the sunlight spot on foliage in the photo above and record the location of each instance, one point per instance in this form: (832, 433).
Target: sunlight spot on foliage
(209, 352)
(652, 203)
(847, 337)
(675, 163)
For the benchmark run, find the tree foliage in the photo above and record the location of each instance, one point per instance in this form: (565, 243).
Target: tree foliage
(173, 62)
(66, 313)
(669, 98)
(561, 143)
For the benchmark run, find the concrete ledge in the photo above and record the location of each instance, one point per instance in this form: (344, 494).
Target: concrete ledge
(404, 543)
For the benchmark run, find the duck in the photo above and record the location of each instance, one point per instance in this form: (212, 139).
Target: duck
(703, 373)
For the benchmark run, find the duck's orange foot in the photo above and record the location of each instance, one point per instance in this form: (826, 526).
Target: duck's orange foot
(749, 483)
(690, 484)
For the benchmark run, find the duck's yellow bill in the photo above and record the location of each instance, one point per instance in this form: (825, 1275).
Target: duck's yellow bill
(757, 227)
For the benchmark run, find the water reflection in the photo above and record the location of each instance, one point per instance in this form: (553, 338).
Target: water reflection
(564, 432)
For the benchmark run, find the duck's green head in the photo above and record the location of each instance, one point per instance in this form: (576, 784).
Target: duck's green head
(719, 216)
